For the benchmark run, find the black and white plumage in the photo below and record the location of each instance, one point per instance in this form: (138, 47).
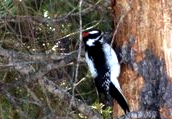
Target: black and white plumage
(104, 66)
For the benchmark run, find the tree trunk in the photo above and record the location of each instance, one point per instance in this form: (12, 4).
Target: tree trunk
(144, 34)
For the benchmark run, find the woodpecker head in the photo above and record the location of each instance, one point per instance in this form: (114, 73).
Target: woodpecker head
(91, 37)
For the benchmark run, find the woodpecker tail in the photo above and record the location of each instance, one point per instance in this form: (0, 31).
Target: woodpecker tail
(117, 94)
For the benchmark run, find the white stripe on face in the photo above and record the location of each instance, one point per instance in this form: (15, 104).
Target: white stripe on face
(90, 42)
(93, 32)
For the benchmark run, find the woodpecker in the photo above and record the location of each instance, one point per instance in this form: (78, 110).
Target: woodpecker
(104, 67)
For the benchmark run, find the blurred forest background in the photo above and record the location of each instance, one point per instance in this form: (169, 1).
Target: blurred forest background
(43, 74)
(39, 41)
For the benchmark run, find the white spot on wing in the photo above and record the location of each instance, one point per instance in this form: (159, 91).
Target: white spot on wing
(91, 65)
(107, 81)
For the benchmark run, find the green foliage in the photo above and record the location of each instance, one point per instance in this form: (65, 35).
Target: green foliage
(7, 110)
(100, 107)
(6, 7)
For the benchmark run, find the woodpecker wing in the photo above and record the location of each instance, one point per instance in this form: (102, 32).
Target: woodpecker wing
(113, 64)
(114, 87)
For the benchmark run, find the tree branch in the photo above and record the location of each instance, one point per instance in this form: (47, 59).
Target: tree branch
(48, 62)
(50, 21)
(63, 95)
(140, 115)
(29, 74)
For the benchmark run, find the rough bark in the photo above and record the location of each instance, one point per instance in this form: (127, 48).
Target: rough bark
(144, 33)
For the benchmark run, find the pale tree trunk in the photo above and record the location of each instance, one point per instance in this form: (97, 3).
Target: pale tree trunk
(144, 33)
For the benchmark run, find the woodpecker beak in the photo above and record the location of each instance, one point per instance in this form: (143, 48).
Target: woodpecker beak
(102, 34)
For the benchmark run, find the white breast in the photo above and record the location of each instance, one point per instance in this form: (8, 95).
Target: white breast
(91, 65)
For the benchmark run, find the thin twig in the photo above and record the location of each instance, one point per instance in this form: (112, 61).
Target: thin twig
(117, 27)
(80, 41)
(78, 57)
(119, 23)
